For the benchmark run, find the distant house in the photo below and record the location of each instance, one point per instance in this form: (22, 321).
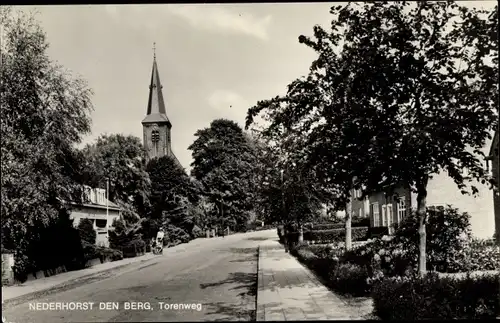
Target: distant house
(493, 165)
(94, 208)
(388, 207)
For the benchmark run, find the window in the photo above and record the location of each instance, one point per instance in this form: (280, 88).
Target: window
(100, 223)
(376, 215)
(384, 215)
(155, 136)
(489, 167)
(401, 209)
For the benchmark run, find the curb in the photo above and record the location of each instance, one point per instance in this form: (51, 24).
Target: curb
(260, 313)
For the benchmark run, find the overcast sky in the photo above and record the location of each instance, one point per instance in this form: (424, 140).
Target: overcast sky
(214, 60)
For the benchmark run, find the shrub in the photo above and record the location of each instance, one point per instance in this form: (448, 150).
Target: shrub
(350, 279)
(335, 234)
(108, 253)
(86, 231)
(377, 232)
(89, 251)
(134, 248)
(360, 222)
(197, 232)
(434, 297)
(355, 223)
(325, 226)
(448, 233)
(320, 265)
(175, 235)
(483, 255)
(304, 254)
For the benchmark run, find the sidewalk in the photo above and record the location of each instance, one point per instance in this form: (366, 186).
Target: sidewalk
(287, 291)
(41, 284)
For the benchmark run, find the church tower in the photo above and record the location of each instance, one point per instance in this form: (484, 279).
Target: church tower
(156, 126)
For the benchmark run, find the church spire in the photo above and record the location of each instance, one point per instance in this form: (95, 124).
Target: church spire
(156, 111)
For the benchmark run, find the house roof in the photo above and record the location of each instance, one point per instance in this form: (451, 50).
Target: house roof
(156, 118)
(92, 201)
(111, 206)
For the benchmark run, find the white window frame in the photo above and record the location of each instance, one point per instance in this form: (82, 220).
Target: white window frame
(401, 209)
(489, 167)
(384, 215)
(376, 214)
(389, 215)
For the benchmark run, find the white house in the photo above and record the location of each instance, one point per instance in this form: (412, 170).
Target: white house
(98, 209)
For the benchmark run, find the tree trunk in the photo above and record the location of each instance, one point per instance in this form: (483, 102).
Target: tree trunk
(422, 214)
(348, 230)
(301, 234)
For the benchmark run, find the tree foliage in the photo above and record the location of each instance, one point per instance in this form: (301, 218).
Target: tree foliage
(399, 91)
(44, 112)
(125, 234)
(223, 164)
(121, 159)
(87, 232)
(173, 194)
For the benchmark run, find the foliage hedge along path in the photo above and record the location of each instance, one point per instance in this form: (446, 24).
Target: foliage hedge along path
(332, 235)
(385, 269)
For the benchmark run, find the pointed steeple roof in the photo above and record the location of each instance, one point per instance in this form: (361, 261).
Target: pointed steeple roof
(156, 104)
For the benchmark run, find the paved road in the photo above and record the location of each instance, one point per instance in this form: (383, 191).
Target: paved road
(220, 274)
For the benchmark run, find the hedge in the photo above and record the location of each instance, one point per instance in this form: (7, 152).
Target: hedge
(330, 235)
(434, 297)
(483, 255)
(92, 252)
(320, 265)
(363, 222)
(108, 253)
(350, 279)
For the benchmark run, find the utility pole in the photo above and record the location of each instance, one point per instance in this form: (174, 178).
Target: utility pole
(221, 216)
(107, 210)
(282, 197)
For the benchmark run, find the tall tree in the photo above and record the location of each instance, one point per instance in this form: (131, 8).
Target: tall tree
(172, 194)
(400, 91)
(224, 163)
(44, 112)
(120, 159)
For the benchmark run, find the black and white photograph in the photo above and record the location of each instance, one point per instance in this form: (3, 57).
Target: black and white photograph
(289, 161)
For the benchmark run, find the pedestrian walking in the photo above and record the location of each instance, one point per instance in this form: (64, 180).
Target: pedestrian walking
(286, 238)
(281, 232)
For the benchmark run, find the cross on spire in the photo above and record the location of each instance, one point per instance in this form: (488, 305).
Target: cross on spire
(154, 50)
